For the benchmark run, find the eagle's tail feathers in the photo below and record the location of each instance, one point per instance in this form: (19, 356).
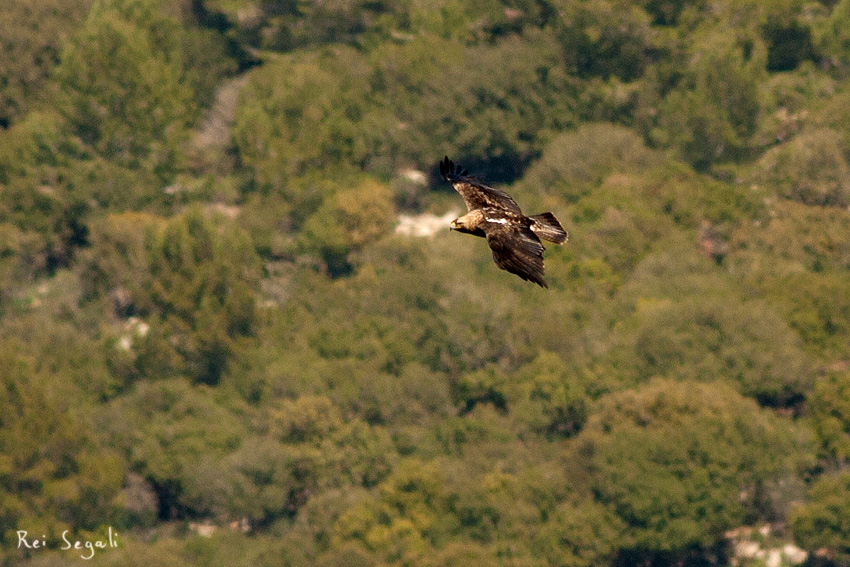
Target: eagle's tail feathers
(547, 227)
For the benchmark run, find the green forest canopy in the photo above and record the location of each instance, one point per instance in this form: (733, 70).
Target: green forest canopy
(207, 319)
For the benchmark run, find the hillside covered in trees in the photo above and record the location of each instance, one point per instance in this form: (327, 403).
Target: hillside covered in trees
(215, 343)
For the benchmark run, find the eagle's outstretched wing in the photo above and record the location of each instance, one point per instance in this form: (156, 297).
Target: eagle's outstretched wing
(516, 249)
(476, 194)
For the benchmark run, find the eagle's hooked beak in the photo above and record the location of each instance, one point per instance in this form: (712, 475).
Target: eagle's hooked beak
(452, 226)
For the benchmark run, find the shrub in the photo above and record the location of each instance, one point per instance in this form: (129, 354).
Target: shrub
(200, 295)
(681, 463)
(577, 161)
(307, 112)
(53, 473)
(717, 111)
(832, 36)
(812, 168)
(822, 521)
(829, 405)
(687, 323)
(128, 85)
(31, 36)
(346, 221)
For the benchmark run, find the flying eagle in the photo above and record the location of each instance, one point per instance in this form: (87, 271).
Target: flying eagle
(513, 237)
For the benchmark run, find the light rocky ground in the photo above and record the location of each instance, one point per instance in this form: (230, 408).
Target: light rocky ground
(210, 143)
(425, 225)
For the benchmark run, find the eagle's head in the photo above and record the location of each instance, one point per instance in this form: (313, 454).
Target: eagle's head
(460, 225)
(468, 223)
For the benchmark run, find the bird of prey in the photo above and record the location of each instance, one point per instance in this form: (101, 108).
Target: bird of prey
(513, 237)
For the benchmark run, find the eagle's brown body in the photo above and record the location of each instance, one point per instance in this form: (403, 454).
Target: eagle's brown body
(513, 237)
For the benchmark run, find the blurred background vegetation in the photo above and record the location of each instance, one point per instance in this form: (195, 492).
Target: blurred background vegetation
(214, 341)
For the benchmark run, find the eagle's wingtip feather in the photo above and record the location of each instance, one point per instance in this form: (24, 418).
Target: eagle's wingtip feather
(447, 168)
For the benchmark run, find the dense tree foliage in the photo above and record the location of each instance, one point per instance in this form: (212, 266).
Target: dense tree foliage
(213, 341)
(31, 35)
(681, 463)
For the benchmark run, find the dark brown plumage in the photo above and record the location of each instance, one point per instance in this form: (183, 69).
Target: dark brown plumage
(513, 237)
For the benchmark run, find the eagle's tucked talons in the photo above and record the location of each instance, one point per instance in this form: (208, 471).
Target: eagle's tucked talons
(513, 237)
